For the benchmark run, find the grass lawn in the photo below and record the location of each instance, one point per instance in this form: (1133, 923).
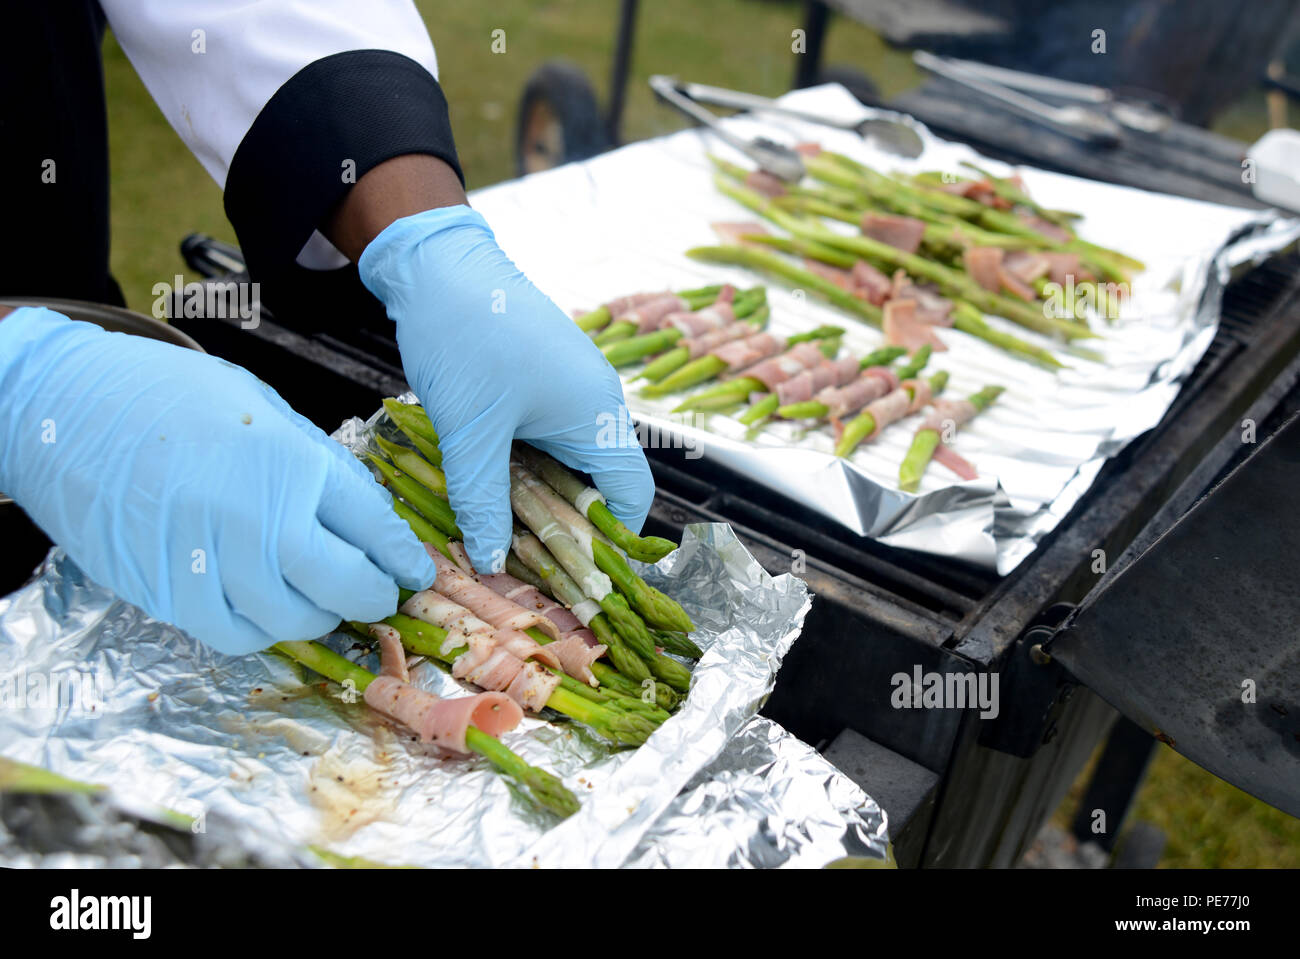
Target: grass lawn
(160, 194)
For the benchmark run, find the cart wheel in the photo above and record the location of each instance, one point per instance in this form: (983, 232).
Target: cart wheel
(559, 120)
(853, 80)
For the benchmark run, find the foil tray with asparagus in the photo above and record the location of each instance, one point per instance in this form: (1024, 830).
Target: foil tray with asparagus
(714, 337)
(936, 251)
(567, 630)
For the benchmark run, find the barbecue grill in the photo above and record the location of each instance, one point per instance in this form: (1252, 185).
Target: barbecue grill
(960, 790)
(1065, 639)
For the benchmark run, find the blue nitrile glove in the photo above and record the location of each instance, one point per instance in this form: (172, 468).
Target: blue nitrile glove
(190, 488)
(493, 359)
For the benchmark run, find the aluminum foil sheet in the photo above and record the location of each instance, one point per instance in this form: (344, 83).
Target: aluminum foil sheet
(253, 760)
(622, 221)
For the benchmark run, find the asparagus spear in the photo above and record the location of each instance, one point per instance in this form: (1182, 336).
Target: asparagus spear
(545, 788)
(666, 698)
(864, 424)
(679, 644)
(928, 439)
(580, 565)
(627, 351)
(811, 409)
(1007, 189)
(586, 500)
(415, 466)
(968, 321)
(595, 319)
(614, 698)
(916, 200)
(707, 367)
(529, 497)
(622, 329)
(671, 360)
(517, 568)
(952, 283)
(627, 729)
(434, 508)
(656, 608)
(414, 423)
(562, 587)
(936, 234)
(424, 531)
(759, 411)
(729, 392)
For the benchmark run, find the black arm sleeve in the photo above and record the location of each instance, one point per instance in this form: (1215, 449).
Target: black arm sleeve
(324, 129)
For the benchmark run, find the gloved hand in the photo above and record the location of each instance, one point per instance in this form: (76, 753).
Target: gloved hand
(493, 359)
(190, 488)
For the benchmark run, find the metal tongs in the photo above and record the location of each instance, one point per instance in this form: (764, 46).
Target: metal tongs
(776, 158)
(1081, 122)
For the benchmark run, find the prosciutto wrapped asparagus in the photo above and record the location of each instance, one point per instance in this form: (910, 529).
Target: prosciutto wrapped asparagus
(931, 440)
(764, 359)
(449, 722)
(910, 396)
(689, 334)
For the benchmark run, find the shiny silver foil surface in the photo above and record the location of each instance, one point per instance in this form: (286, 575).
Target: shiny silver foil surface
(255, 761)
(622, 221)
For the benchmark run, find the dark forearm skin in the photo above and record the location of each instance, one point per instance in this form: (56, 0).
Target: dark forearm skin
(6, 310)
(402, 186)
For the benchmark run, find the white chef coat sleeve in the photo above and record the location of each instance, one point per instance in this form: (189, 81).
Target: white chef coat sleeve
(287, 103)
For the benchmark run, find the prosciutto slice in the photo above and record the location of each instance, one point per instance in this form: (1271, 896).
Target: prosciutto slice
(982, 191)
(622, 304)
(947, 456)
(708, 342)
(982, 263)
(921, 394)
(808, 148)
(532, 686)
(827, 373)
(530, 597)
(649, 315)
(461, 625)
(1027, 266)
(739, 354)
(890, 408)
(713, 317)
(442, 721)
(904, 328)
(576, 656)
(465, 629)
(1046, 227)
(392, 656)
(869, 283)
(527, 683)
(1015, 286)
(435, 720)
(902, 232)
(955, 412)
(778, 369)
(872, 383)
(1061, 266)
(930, 306)
(841, 278)
(495, 670)
(765, 183)
(486, 604)
(736, 232)
(585, 634)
